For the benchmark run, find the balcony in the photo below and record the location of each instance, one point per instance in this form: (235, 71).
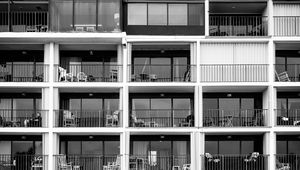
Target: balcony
(23, 162)
(88, 118)
(87, 162)
(154, 162)
(162, 118)
(234, 72)
(12, 72)
(235, 162)
(288, 161)
(89, 73)
(23, 118)
(162, 73)
(24, 21)
(238, 26)
(234, 118)
(286, 117)
(286, 25)
(287, 72)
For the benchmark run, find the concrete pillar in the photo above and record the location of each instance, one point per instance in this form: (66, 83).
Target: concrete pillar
(269, 145)
(198, 61)
(270, 18)
(196, 107)
(194, 151)
(206, 6)
(120, 61)
(201, 149)
(127, 61)
(200, 106)
(124, 149)
(121, 102)
(126, 111)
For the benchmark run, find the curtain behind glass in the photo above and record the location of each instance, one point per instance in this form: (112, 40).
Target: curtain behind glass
(109, 15)
(62, 15)
(140, 148)
(85, 12)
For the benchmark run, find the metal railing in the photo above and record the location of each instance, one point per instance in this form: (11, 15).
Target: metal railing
(154, 162)
(286, 117)
(23, 118)
(23, 162)
(286, 25)
(88, 118)
(161, 73)
(24, 21)
(238, 26)
(235, 162)
(287, 161)
(234, 118)
(87, 162)
(161, 118)
(89, 73)
(292, 72)
(12, 72)
(234, 72)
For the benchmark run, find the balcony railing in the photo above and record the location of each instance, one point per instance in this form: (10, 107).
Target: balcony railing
(288, 161)
(234, 118)
(87, 162)
(11, 72)
(88, 118)
(287, 117)
(287, 72)
(234, 72)
(89, 73)
(162, 118)
(154, 162)
(23, 118)
(235, 162)
(287, 25)
(161, 73)
(24, 21)
(23, 162)
(238, 26)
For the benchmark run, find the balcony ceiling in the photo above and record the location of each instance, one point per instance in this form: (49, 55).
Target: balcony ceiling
(21, 47)
(81, 47)
(232, 89)
(159, 89)
(20, 90)
(89, 90)
(161, 46)
(237, 8)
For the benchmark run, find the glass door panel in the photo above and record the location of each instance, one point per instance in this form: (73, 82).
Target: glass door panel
(180, 68)
(92, 114)
(182, 111)
(159, 154)
(229, 111)
(161, 112)
(161, 67)
(92, 150)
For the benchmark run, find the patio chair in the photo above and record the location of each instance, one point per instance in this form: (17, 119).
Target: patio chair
(282, 76)
(186, 167)
(81, 77)
(68, 119)
(63, 164)
(62, 74)
(114, 75)
(37, 162)
(210, 158)
(137, 122)
(252, 157)
(282, 166)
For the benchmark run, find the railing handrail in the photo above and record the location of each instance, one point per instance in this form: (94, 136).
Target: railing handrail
(86, 110)
(82, 64)
(286, 16)
(236, 155)
(89, 155)
(234, 64)
(36, 110)
(161, 110)
(236, 110)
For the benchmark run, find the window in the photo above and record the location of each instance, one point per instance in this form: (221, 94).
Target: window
(137, 14)
(162, 14)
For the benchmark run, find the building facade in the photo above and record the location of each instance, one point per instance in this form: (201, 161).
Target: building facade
(150, 84)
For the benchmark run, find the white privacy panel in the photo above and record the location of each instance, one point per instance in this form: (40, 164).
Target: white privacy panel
(286, 9)
(250, 53)
(233, 53)
(216, 53)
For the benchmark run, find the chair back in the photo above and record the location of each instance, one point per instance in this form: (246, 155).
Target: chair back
(118, 160)
(62, 160)
(62, 71)
(81, 76)
(283, 76)
(67, 114)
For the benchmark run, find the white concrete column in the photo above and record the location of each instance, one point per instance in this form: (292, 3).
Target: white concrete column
(196, 107)
(121, 102)
(273, 101)
(271, 61)
(125, 93)
(269, 145)
(120, 62)
(193, 143)
(127, 61)
(198, 62)
(201, 150)
(124, 149)
(126, 50)
(193, 63)
(266, 106)
(270, 18)
(206, 6)
(46, 141)
(55, 93)
(200, 106)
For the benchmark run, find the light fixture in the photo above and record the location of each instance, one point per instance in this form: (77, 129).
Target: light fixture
(229, 137)
(23, 137)
(229, 95)
(24, 52)
(91, 52)
(91, 94)
(298, 52)
(23, 94)
(91, 137)
(233, 7)
(162, 136)
(162, 51)
(162, 95)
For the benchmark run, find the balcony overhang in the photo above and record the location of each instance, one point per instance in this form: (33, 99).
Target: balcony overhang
(68, 38)
(161, 88)
(234, 88)
(89, 88)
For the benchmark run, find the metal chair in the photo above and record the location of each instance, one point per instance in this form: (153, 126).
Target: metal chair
(81, 77)
(186, 167)
(283, 76)
(68, 119)
(63, 164)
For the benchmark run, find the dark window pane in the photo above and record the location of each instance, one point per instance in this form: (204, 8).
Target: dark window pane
(22, 147)
(182, 104)
(247, 104)
(140, 104)
(92, 147)
(111, 104)
(91, 104)
(160, 103)
(281, 147)
(137, 14)
(23, 104)
(75, 104)
(211, 147)
(294, 147)
(180, 148)
(157, 14)
(112, 147)
(63, 15)
(229, 147)
(196, 14)
(247, 147)
(140, 147)
(177, 14)
(74, 147)
(210, 104)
